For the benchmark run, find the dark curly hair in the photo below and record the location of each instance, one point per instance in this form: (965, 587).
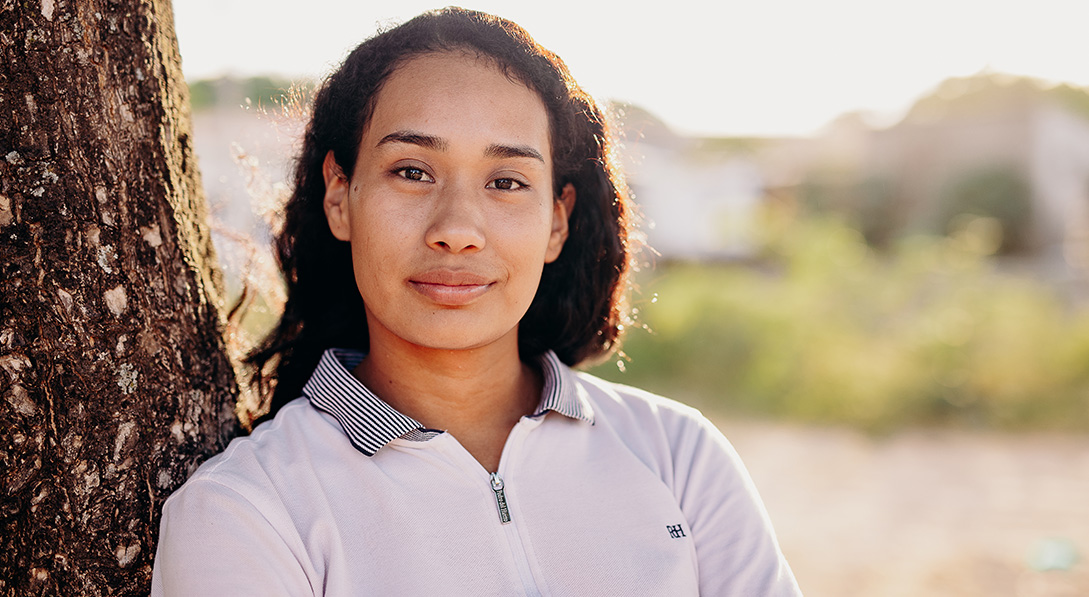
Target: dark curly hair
(580, 308)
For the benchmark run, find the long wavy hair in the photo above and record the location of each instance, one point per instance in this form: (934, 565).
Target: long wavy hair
(580, 308)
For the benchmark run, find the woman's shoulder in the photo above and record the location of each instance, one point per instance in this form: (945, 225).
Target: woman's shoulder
(617, 399)
(251, 464)
(643, 417)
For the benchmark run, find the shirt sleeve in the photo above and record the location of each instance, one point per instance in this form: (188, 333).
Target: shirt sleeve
(736, 548)
(213, 541)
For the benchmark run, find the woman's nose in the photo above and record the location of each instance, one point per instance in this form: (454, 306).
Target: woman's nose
(457, 222)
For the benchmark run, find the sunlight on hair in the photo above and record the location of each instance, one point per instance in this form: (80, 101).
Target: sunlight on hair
(249, 253)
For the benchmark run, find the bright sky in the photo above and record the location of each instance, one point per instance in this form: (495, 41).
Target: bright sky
(739, 67)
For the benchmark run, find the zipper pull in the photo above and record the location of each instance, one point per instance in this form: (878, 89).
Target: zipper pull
(500, 498)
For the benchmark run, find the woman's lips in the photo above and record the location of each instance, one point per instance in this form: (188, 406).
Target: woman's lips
(451, 288)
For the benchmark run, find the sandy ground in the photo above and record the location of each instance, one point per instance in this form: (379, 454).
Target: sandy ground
(924, 513)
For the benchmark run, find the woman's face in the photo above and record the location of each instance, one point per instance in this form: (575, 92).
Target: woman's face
(450, 211)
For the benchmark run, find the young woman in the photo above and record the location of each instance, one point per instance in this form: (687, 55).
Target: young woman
(457, 238)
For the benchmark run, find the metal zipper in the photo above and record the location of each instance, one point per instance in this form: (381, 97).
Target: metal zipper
(500, 498)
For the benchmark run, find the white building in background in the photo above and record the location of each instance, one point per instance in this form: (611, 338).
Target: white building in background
(1030, 135)
(1060, 178)
(697, 203)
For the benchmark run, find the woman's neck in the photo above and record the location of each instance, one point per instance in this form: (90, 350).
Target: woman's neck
(477, 395)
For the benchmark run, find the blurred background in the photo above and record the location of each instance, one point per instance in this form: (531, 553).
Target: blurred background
(870, 224)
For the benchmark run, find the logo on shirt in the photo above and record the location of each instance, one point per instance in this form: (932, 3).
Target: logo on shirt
(675, 531)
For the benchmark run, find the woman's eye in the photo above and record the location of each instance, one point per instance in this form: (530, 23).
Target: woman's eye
(505, 184)
(414, 174)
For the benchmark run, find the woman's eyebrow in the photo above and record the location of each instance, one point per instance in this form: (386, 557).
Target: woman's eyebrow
(496, 150)
(414, 138)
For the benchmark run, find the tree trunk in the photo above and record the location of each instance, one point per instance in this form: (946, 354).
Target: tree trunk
(113, 370)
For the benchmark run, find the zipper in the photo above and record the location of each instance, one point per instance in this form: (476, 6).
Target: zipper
(500, 498)
(510, 529)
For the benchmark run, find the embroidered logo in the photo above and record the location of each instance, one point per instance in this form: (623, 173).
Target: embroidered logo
(675, 531)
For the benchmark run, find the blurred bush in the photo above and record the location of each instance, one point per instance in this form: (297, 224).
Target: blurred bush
(868, 204)
(999, 193)
(827, 330)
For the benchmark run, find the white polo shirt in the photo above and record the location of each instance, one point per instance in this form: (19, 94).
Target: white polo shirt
(605, 490)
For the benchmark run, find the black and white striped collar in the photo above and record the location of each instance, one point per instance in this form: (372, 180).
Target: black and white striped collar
(370, 423)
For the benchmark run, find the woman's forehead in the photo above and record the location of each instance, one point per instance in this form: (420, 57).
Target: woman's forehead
(459, 96)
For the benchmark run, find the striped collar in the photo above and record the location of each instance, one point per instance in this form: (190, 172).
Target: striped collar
(370, 423)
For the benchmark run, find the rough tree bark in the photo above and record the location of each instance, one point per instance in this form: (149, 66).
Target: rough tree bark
(113, 371)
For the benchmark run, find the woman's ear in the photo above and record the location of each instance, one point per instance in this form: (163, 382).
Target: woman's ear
(336, 198)
(561, 213)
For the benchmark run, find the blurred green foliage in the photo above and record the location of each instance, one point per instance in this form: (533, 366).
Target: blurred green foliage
(930, 332)
(995, 192)
(251, 91)
(867, 203)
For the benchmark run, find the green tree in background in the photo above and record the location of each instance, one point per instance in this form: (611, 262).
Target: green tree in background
(999, 193)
